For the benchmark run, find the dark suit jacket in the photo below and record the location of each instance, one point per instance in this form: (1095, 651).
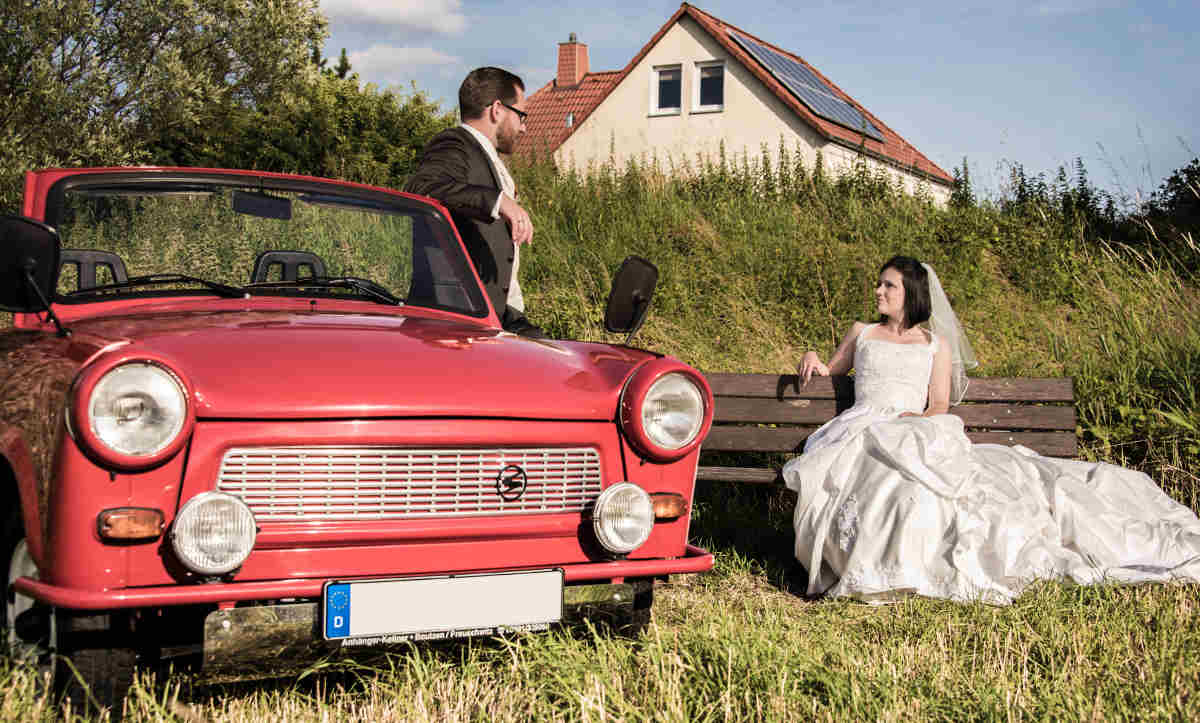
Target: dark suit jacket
(455, 170)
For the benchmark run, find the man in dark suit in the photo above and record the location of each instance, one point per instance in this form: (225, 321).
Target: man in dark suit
(461, 168)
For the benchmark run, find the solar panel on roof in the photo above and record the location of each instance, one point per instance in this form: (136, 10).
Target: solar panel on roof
(808, 88)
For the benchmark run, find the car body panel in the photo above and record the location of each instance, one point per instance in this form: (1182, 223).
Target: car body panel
(383, 364)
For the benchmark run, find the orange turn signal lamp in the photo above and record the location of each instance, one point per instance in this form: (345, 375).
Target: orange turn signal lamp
(130, 524)
(668, 505)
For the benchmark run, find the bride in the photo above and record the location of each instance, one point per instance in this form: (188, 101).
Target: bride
(895, 500)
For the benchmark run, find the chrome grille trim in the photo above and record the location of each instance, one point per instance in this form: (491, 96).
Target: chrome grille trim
(286, 484)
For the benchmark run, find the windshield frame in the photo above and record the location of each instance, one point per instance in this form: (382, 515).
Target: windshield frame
(149, 181)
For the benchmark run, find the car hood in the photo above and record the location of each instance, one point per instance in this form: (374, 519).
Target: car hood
(277, 365)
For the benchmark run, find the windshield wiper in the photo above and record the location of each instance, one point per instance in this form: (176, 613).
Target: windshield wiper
(159, 279)
(367, 287)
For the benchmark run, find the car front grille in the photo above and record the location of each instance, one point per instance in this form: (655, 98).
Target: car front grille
(365, 483)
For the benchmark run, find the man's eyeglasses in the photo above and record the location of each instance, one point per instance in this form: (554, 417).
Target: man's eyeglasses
(520, 113)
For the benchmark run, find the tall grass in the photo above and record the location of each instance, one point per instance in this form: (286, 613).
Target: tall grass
(759, 262)
(733, 646)
(200, 234)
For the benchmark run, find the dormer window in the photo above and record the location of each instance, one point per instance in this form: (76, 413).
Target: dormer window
(666, 90)
(709, 93)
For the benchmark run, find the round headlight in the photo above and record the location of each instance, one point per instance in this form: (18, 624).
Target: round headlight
(673, 411)
(622, 517)
(137, 409)
(213, 533)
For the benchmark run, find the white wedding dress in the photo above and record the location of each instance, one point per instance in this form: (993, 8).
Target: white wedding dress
(891, 506)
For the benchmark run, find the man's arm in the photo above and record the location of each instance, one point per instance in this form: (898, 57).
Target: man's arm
(443, 173)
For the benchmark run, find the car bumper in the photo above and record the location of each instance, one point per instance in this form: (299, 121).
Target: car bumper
(694, 560)
(274, 640)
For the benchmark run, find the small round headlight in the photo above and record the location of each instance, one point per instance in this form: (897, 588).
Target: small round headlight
(622, 517)
(213, 533)
(673, 411)
(137, 409)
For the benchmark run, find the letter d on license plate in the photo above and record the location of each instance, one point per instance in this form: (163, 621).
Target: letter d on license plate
(448, 606)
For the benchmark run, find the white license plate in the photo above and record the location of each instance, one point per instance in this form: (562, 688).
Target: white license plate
(427, 608)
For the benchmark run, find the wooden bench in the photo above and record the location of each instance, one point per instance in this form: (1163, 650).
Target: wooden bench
(764, 413)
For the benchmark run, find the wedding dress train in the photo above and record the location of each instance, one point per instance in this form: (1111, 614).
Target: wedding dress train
(891, 506)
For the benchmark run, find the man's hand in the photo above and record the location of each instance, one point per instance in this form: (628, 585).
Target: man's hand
(517, 219)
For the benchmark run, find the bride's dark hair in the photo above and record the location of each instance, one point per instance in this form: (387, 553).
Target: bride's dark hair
(916, 288)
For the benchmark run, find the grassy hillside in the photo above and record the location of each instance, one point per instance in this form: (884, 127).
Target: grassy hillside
(755, 268)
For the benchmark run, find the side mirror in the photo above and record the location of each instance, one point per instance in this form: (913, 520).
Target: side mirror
(632, 289)
(29, 259)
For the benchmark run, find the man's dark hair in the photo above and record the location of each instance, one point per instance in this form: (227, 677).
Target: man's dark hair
(483, 86)
(916, 288)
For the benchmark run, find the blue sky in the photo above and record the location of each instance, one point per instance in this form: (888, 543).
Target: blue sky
(1032, 82)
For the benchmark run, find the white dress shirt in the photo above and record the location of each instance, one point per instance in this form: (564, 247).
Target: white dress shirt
(508, 187)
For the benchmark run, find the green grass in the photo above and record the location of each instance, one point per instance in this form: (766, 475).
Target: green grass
(731, 645)
(756, 268)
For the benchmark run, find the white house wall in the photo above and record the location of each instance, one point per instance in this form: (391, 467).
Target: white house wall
(623, 127)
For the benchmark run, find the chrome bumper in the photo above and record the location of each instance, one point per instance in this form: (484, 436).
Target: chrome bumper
(273, 640)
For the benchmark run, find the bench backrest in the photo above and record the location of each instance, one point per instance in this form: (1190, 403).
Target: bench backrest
(773, 413)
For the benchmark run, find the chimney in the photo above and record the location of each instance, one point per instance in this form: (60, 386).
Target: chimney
(572, 63)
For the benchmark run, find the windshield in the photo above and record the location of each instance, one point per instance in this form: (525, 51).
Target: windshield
(130, 235)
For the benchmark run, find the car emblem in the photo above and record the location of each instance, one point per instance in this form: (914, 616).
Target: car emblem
(511, 483)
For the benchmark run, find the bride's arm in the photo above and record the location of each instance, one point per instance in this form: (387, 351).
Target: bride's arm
(939, 382)
(841, 361)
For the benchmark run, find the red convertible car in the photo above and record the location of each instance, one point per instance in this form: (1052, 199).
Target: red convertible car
(245, 412)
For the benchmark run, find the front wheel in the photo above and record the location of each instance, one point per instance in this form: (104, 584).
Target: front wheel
(638, 617)
(27, 624)
(92, 676)
(62, 648)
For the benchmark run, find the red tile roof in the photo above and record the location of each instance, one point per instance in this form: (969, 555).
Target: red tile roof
(546, 128)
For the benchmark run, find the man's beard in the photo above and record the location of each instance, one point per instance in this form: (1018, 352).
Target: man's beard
(505, 141)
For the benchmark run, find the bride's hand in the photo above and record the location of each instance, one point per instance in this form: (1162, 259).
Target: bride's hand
(809, 365)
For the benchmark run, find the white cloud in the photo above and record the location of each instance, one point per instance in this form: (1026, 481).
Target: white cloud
(389, 61)
(534, 76)
(441, 16)
(1057, 8)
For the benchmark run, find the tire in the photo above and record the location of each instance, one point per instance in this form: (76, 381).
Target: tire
(638, 617)
(26, 623)
(95, 678)
(36, 634)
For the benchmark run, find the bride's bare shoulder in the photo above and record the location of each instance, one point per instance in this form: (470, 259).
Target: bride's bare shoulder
(855, 329)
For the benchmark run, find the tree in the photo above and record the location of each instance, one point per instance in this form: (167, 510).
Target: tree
(343, 67)
(1172, 216)
(963, 196)
(1178, 198)
(95, 81)
(323, 125)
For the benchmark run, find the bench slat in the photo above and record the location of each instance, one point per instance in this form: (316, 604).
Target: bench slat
(817, 411)
(752, 475)
(756, 439)
(791, 440)
(1050, 444)
(981, 389)
(1005, 416)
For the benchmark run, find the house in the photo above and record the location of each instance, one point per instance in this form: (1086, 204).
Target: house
(699, 82)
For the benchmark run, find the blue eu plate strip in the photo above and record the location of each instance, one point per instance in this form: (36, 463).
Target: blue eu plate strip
(337, 610)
